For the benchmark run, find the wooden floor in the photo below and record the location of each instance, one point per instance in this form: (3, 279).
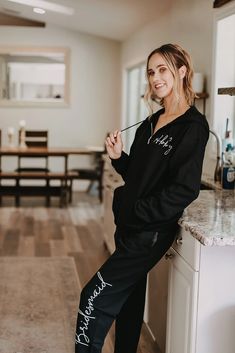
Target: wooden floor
(33, 230)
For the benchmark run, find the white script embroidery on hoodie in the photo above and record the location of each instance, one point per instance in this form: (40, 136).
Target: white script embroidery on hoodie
(164, 142)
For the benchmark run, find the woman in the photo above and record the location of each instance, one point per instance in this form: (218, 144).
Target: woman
(162, 176)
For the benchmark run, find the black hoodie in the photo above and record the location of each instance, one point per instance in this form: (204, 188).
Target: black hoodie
(162, 173)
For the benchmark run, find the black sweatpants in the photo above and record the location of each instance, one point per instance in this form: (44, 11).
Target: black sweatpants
(117, 292)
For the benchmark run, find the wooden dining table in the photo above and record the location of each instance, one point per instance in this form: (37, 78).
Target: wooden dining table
(36, 152)
(64, 152)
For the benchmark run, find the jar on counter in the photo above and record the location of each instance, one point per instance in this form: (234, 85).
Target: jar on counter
(228, 176)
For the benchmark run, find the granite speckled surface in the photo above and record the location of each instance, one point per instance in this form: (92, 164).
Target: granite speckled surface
(211, 217)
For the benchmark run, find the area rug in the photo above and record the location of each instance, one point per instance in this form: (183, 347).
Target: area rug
(38, 304)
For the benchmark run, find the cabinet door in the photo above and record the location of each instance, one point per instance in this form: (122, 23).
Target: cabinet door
(156, 302)
(182, 306)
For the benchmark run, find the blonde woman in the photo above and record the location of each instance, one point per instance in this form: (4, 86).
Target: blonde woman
(162, 176)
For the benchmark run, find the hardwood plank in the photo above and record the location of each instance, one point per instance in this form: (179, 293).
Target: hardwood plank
(2, 235)
(42, 232)
(11, 243)
(42, 249)
(41, 214)
(28, 226)
(53, 229)
(26, 246)
(96, 232)
(85, 236)
(57, 248)
(72, 239)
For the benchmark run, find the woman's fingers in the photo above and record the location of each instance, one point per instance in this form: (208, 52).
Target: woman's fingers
(113, 144)
(109, 142)
(113, 138)
(115, 133)
(118, 137)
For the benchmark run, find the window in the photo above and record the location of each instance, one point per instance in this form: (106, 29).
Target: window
(135, 106)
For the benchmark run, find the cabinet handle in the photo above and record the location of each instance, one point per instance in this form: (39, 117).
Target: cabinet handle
(179, 241)
(169, 256)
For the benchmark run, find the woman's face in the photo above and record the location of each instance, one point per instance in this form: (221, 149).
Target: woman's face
(160, 77)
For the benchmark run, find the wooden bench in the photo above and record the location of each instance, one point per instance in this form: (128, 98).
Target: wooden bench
(47, 190)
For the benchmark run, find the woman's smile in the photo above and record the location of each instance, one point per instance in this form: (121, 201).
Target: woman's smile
(159, 85)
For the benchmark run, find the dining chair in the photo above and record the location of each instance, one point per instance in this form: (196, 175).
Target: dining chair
(33, 139)
(37, 139)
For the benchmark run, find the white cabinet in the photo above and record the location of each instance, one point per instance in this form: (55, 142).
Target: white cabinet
(182, 306)
(160, 288)
(201, 298)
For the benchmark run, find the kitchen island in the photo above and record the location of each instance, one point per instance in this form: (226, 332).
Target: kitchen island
(201, 287)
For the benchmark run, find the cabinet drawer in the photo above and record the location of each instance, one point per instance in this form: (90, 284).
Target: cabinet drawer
(188, 247)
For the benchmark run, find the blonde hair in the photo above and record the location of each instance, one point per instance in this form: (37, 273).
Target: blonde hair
(175, 57)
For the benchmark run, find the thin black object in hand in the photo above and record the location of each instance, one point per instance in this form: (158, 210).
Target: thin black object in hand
(126, 128)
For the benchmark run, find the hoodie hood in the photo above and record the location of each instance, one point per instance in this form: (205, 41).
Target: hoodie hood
(191, 115)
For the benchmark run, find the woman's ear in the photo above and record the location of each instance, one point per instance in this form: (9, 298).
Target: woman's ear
(182, 71)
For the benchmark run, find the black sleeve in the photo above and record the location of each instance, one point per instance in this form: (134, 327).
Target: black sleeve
(185, 168)
(121, 164)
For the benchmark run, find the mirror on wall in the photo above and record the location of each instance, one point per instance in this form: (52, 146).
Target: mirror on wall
(34, 76)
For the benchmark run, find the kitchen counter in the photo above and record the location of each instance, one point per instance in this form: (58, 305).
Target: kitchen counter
(211, 217)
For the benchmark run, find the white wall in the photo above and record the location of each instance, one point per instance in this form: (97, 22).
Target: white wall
(188, 23)
(225, 73)
(95, 88)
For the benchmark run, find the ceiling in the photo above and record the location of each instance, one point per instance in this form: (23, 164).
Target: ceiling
(114, 19)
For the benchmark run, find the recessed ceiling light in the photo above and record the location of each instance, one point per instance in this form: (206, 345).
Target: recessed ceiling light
(46, 5)
(39, 10)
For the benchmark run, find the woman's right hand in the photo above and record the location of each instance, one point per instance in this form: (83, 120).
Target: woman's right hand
(114, 144)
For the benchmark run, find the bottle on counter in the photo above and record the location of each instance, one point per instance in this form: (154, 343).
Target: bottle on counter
(228, 169)
(228, 159)
(228, 140)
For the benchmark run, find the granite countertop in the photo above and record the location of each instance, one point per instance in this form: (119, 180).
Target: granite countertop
(211, 217)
